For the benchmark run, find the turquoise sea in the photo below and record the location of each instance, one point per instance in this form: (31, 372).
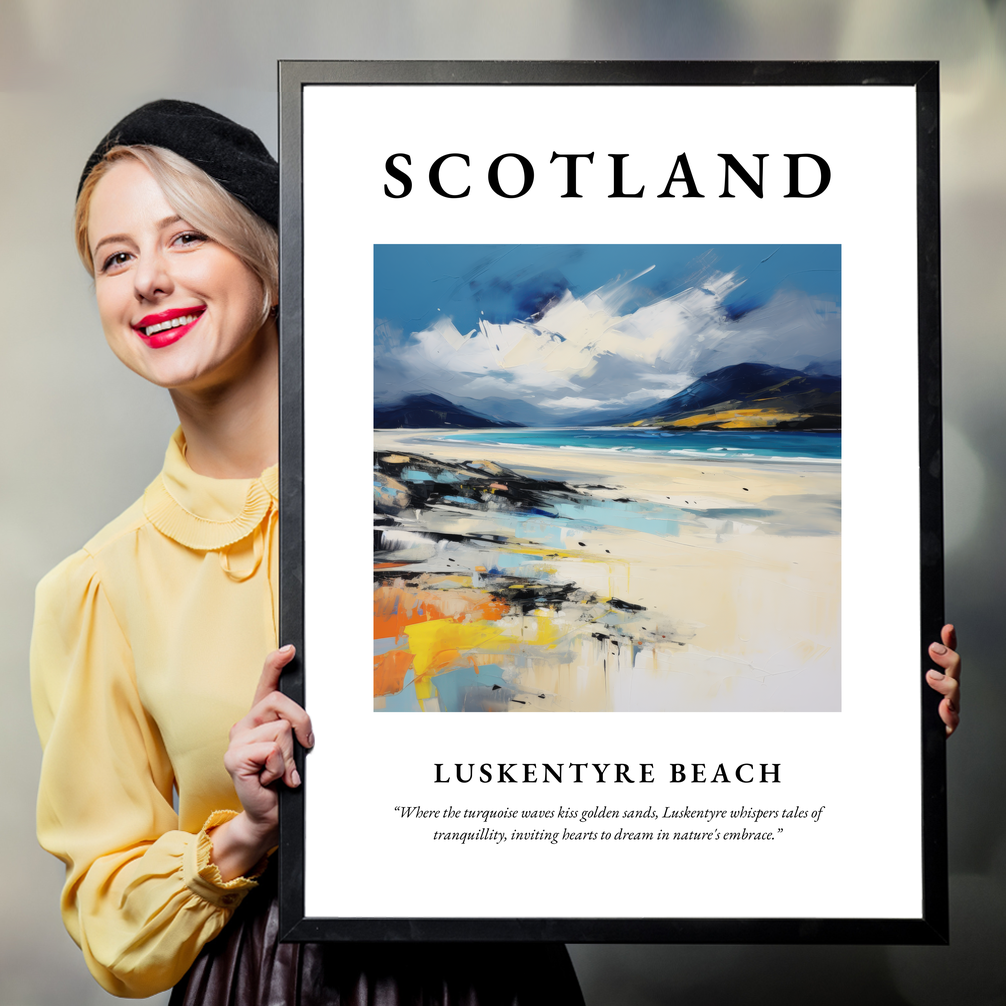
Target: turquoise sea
(752, 444)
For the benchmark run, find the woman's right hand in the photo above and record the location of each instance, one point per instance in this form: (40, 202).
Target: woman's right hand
(260, 753)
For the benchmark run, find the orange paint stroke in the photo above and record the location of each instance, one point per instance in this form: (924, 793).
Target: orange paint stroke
(396, 606)
(389, 671)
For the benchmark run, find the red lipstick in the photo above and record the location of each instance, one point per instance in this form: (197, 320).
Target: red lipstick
(165, 333)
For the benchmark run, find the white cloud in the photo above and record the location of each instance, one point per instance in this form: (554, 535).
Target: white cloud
(568, 404)
(583, 353)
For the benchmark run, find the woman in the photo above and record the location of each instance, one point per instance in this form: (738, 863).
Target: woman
(148, 643)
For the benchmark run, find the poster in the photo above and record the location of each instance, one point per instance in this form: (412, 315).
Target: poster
(621, 367)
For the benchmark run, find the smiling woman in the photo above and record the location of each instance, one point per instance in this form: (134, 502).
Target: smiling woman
(148, 645)
(158, 278)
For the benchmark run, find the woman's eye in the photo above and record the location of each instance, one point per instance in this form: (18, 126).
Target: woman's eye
(190, 238)
(114, 261)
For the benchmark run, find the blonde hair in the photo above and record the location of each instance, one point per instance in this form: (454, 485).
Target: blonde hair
(199, 200)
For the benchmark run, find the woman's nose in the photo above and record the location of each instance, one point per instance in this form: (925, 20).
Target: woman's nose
(152, 277)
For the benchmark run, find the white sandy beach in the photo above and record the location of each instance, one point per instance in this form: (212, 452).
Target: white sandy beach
(739, 594)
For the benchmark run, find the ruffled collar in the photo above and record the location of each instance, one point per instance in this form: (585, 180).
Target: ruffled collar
(203, 513)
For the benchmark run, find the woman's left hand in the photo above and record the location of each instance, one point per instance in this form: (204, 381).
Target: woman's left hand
(948, 681)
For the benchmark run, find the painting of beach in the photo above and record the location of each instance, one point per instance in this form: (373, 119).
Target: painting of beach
(607, 478)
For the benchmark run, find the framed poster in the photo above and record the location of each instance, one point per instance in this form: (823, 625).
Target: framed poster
(617, 388)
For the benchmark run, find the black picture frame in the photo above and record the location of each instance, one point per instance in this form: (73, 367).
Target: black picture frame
(932, 925)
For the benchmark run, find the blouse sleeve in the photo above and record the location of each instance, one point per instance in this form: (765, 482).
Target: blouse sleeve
(141, 898)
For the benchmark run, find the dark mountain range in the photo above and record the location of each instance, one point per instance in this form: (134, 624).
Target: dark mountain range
(513, 410)
(431, 411)
(743, 396)
(748, 396)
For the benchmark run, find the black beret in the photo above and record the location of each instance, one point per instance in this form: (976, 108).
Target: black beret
(231, 154)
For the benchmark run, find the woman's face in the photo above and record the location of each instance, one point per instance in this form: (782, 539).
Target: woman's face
(177, 308)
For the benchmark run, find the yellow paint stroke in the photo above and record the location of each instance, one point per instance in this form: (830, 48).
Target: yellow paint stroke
(539, 552)
(739, 419)
(547, 631)
(442, 644)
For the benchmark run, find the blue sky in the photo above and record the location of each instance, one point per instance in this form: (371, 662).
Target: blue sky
(504, 282)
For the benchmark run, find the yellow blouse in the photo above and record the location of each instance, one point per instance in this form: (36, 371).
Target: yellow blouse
(147, 647)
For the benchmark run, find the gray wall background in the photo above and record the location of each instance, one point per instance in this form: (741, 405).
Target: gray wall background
(82, 436)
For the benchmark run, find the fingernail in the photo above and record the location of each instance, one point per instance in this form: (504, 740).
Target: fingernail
(936, 675)
(287, 649)
(938, 648)
(310, 740)
(295, 777)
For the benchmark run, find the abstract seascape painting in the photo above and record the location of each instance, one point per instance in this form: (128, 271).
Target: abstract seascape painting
(607, 478)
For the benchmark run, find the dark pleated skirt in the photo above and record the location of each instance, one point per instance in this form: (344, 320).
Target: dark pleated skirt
(246, 965)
